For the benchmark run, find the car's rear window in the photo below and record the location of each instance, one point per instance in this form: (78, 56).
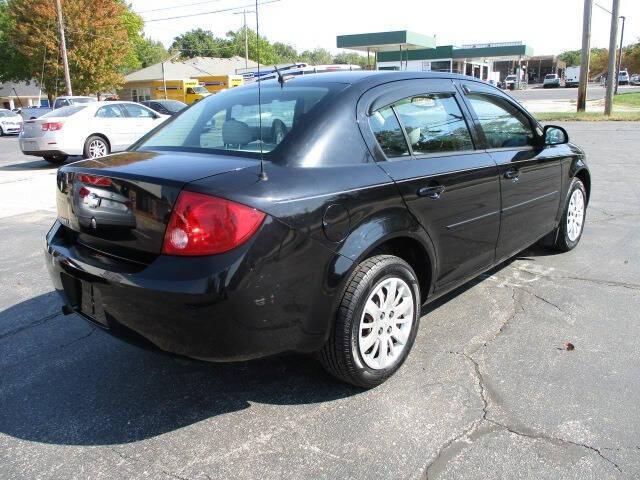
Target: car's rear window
(230, 121)
(551, 76)
(64, 111)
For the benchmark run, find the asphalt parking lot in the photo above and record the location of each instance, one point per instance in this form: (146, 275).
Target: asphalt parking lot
(488, 391)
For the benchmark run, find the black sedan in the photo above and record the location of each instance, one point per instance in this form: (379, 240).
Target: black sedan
(165, 107)
(319, 220)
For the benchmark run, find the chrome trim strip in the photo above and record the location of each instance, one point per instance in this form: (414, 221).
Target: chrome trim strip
(530, 200)
(454, 225)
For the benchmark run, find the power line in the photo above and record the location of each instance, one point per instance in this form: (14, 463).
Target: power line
(178, 6)
(208, 13)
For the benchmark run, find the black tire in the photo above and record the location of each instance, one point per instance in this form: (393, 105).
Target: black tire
(1, 132)
(56, 159)
(98, 139)
(341, 355)
(563, 241)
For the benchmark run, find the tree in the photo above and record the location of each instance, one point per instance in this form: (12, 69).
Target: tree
(12, 65)
(285, 52)
(572, 57)
(235, 45)
(98, 44)
(631, 57)
(200, 43)
(350, 59)
(317, 56)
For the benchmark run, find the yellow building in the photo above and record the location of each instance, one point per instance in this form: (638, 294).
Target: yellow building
(182, 79)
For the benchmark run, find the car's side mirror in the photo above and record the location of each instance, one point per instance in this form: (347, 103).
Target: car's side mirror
(554, 135)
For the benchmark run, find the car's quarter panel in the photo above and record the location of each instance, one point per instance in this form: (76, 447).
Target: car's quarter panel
(463, 220)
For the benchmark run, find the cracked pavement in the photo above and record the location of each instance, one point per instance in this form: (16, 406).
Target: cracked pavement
(488, 391)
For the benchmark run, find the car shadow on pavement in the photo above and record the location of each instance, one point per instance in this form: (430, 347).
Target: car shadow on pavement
(35, 165)
(66, 382)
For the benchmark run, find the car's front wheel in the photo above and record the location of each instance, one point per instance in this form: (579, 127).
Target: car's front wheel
(95, 147)
(569, 232)
(376, 322)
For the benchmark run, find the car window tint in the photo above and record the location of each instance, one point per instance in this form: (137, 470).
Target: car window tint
(503, 124)
(110, 111)
(434, 123)
(388, 132)
(137, 111)
(64, 111)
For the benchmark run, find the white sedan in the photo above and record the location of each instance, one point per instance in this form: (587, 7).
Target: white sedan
(92, 130)
(10, 122)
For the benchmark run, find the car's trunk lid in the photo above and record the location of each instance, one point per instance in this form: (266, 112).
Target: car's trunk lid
(120, 205)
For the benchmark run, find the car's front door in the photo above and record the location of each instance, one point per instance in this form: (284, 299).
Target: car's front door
(109, 120)
(530, 173)
(451, 187)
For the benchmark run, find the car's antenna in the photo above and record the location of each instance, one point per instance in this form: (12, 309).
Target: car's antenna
(263, 173)
(281, 79)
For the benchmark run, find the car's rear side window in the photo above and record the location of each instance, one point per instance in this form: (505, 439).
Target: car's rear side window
(434, 123)
(388, 132)
(64, 111)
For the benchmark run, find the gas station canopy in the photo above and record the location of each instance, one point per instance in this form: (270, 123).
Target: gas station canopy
(386, 41)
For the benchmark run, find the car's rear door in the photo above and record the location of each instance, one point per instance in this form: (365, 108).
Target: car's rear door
(422, 141)
(530, 173)
(110, 121)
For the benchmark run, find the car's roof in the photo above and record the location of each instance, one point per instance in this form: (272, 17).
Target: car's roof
(364, 78)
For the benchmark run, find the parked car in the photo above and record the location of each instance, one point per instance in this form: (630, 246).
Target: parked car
(165, 107)
(90, 129)
(30, 113)
(10, 122)
(511, 83)
(387, 190)
(635, 79)
(551, 80)
(572, 77)
(623, 77)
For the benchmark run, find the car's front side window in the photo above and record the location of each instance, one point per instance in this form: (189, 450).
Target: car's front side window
(434, 123)
(504, 126)
(388, 132)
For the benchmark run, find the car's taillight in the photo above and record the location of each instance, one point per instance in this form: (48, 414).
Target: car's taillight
(51, 126)
(205, 225)
(94, 180)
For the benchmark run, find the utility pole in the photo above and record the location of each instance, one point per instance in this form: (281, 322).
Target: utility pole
(246, 36)
(620, 53)
(611, 71)
(63, 49)
(585, 56)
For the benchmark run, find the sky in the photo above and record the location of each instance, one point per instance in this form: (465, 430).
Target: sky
(549, 26)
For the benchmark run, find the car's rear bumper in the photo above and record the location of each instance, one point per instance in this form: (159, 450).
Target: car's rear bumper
(43, 146)
(254, 301)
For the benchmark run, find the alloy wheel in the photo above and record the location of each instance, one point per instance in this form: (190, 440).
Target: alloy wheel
(97, 148)
(386, 323)
(575, 215)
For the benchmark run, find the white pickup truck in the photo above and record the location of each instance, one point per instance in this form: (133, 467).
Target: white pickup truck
(29, 113)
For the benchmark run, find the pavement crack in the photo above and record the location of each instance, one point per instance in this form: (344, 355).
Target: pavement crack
(79, 339)
(35, 323)
(610, 283)
(549, 438)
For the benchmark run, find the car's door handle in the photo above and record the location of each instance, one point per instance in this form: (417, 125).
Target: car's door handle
(512, 174)
(431, 192)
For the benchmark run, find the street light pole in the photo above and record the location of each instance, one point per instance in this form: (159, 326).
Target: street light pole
(63, 49)
(585, 56)
(611, 71)
(246, 36)
(620, 53)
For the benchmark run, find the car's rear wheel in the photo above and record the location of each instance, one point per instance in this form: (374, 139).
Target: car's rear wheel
(56, 159)
(1, 132)
(95, 147)
(376, 322)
